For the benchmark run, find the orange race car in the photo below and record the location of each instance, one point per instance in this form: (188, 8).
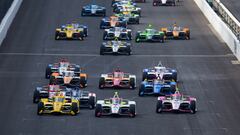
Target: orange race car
(69, 79)
(176, 32)
(113, 21)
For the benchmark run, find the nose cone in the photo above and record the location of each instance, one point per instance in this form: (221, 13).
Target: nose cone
(67, 80)
(175, 33)
(57, 106)
(116, 82)
(69, 33)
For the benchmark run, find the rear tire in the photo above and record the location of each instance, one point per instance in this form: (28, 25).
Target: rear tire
(141, 90)
(132, 110)
(159, 106)
(132, 83)
(193, 107)
(144, 76)
(83, 82)
(98, 110)
(48, 72)
(101, 83)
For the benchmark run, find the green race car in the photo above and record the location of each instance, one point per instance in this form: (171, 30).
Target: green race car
(150, 35)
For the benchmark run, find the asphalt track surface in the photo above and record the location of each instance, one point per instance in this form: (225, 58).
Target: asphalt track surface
(233, 7)
(204, 66)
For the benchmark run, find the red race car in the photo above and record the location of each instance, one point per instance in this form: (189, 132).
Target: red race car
(117, 79)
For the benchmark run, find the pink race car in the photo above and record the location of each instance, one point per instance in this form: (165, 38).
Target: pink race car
(117, 79)
(176, 103)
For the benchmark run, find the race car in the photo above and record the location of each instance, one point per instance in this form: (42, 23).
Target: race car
(71, 31)
(176, 32)
(149, 35)
(112, 21)
(157, 87)
(176, 103)
(115, 106)
(47, 91)
(160, 71)
(142, 1)
(60, 67)
(122, 2)
(69, 79)
(130, 17)
(115, 47)
(118, 33)
(117, 79)
(93, 10)
(85, 98)
(164, 2)
(127, 8)
(58, 105)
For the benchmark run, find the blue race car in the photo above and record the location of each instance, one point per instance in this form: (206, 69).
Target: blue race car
(157, 87)
(93, 10)
(161, 72)
(112, 21)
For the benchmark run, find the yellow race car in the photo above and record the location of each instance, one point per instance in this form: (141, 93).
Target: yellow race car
(58, 104)
(71, 31)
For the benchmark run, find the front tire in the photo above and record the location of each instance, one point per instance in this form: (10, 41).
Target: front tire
(36, 96)
(91, 102)
(75, 108)
(40, 108)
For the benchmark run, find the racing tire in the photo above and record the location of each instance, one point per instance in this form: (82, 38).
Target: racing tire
(175, 77)
(159, 106)
(101, 83)
(36, 96)
(132, 83)
(193, 107)
(98, 110)
(91, 102)
(132, 111)
(83, 82)
(141, 90)
(40, 108)
(77, 69)
(48, 72)
(144, 76)
(104, 35)
(74, 108)
(129, 35)
(56, 35)
(82, 13)
(136, 38)
(52, 80)
(81, 37)
(128, 50)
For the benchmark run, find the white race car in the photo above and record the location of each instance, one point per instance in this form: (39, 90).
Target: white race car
(115, 106)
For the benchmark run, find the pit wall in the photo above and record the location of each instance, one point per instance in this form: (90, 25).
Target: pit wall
(220, 27)
(8, 18)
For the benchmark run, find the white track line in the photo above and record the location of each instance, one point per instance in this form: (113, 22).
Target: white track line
(96, 55)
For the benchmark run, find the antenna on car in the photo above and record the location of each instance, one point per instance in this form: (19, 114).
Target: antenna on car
(160, 64)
